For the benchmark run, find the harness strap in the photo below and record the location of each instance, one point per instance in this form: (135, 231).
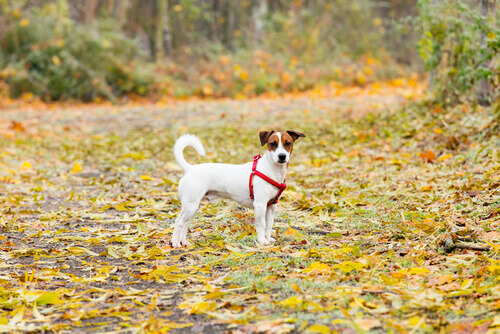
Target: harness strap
(281, 186)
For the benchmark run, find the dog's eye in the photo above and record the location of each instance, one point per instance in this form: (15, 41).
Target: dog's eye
(274, 144)
(287, 143)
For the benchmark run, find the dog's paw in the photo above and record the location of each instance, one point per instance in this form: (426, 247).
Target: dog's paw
(180, 243)
(186, 243)
(263, 241)
(271, 239)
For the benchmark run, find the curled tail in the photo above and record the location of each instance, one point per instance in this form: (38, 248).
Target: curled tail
(183, 142)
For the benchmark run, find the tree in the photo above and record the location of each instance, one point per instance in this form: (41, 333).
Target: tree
(160, 27)
(487, 8)
(83, 11)
(259, 14)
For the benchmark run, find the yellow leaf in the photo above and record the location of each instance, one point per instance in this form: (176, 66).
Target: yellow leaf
(177, 8)
(146, 177)
(426, 188)
(203, 307)
(174, 325)
(56, 60)
(322, 329)
(25, 166)
(494, 269)
(235, 250)
(48, 298)
(291, 302)
(419, 271)
(444, 157)
(214, 295)
(243, 75)
(296, 288)
(399, 274)
(414, 321)
(291, 231)
(24, 23)
(349, 266)
(317, 268)
(76, 168)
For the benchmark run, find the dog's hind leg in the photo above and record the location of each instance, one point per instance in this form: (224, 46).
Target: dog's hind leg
(189, 214)
(190, 195)
(188, 211)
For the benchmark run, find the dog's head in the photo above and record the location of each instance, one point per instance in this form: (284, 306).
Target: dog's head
(279, 144)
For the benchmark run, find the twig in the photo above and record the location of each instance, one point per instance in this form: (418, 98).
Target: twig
(449, 245)
(472, 247)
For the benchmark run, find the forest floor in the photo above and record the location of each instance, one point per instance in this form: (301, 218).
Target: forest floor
(390, 221)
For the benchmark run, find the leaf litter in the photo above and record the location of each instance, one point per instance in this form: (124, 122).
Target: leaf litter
(390, 221)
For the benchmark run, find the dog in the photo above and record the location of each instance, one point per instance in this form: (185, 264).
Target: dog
(256, 184)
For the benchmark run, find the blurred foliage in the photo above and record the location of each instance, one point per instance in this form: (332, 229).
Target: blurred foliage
(252, 73)
(90, 49)
(450, 46)
(45, 53)
(214, 49)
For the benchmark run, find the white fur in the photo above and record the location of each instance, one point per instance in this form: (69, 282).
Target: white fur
(280, 150)
(229, 181)
(182, 143)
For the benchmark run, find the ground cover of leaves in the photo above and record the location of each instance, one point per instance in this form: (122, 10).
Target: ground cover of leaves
(390, 222)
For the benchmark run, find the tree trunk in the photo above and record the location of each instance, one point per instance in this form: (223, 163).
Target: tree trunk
(167, 31)
(259, 14)
(160, 27)
(83, 11)
(120, 8)
(487, 8)
(432, 77)
(230, 24)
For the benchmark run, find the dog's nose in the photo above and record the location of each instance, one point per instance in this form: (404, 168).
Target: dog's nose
(281, 157)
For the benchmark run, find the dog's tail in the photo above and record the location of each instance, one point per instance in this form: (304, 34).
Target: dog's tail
(181, 144)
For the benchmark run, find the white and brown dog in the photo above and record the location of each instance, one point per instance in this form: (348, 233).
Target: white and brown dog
(256, 184)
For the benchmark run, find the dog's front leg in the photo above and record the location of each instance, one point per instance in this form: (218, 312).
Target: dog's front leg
(271, 210)
(260, 223)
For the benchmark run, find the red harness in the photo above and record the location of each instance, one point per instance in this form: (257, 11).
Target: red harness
(280, 186)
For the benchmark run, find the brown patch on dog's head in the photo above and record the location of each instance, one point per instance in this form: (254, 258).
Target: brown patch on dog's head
(287, 141)
(264, 137)
(295, 135)
(273, 142)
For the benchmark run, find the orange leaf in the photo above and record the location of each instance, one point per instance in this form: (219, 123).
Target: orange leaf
(428, 156)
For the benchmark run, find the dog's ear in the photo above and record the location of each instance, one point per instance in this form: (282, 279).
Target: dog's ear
(295, 135)
(264, 136)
